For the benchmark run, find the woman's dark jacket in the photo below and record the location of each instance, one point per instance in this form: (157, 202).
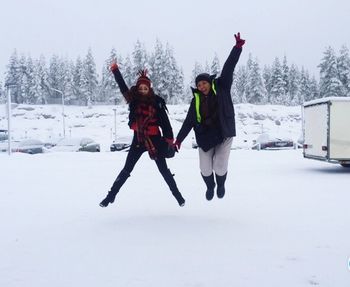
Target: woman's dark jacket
(159, 105)
(208, 137)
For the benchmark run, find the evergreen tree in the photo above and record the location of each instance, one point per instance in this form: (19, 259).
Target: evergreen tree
(255, 91)
(89, 82)
(157, 67)
(140, 58)
(215, 68)
(343, 67)
(174, 76)
(330, 85)
(305, 89)
(12, 75)
(267, 78)
(314, 89)
(55, 79)
(30, 94)
(76, 97)
(285, 77)
(108, 88)
(41, 81)
(127, 71)
(68, 88)
(241, 81)
(293, 88)
(277, 95)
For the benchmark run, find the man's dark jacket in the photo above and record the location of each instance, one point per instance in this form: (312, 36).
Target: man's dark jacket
(207, 137)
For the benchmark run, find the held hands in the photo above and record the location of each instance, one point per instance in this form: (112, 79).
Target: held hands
(239, 42)
(177, 145)
(114, 67)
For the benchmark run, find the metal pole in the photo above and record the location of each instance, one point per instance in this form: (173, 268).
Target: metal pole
(115, 125)
(63, 120)
(9, 119)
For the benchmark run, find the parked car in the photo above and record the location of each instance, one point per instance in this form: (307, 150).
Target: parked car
(77, 144)
(268, 141)
(121, 143)
(3, 135)
(119, 146)
(30, 146)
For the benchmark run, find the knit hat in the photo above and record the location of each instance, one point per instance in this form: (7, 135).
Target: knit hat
(203, 77)
(143, 79)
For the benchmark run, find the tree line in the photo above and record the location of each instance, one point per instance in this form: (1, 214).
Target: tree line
(36, 82)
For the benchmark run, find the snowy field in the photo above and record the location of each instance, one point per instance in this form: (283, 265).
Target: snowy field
(284, 222)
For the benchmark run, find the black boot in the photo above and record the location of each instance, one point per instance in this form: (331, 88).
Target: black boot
(121, 179)
(220, 180)
(169, 178)
(209, 181)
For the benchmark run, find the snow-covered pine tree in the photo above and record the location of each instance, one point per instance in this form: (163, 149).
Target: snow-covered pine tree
(12, 74)
(277, 95)
(174, 76)
(55, 79)
(285, 77)
(182, 96)
(157, 67)
(30, 95)
(215, 68)
(255, 90)
(293, 88)
(330, 84)
(109, 91)
(41, 81)
(140, 58)
(343, 66)
(305, 91)
(267, 78)
(76, 98)
(89, 81)
(68, 88)
(241, 85)
(314, 89)
(127, 72)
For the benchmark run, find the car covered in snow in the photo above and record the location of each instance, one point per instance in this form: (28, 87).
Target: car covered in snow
(3, 135)
(76, 144)
(269, 141)
(30, 146)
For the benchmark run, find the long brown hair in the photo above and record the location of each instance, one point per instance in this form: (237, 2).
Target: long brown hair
(133, 95)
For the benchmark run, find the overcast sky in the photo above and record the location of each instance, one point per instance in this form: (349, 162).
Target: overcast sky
(299, 29)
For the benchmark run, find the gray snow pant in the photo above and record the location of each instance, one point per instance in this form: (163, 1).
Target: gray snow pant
(215, 159)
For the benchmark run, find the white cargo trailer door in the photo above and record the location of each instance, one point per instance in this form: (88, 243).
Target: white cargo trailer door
(315, 130)
(339, 130)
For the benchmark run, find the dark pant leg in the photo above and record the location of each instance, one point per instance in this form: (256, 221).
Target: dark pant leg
(132, 158)
(169, 179)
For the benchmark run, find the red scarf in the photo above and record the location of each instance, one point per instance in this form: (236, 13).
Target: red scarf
(145, 116)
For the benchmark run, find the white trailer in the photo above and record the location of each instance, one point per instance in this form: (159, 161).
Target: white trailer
(326, 130)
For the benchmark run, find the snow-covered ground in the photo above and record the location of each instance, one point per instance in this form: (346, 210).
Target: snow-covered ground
(284, 222)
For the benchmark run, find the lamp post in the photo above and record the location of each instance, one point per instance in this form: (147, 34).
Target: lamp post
(115, 124)
(9, 117)
(63, 120)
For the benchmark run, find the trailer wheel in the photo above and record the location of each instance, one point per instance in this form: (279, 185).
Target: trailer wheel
(345, 164)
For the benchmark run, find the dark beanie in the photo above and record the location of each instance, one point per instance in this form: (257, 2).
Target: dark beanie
(143, 79)
(203, 77)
